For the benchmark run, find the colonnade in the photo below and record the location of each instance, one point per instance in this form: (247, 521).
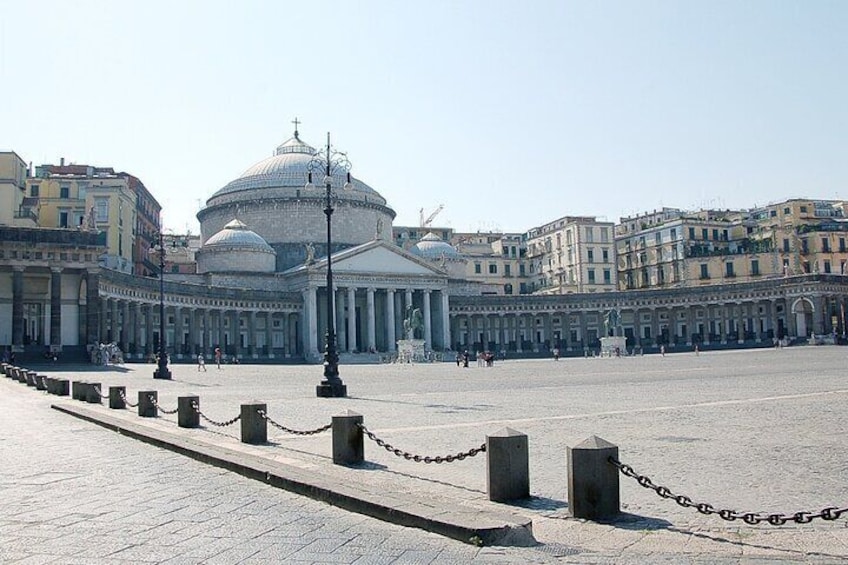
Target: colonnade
(371, 318)
(531, 329)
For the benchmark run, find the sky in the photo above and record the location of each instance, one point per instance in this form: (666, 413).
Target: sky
(510, 114)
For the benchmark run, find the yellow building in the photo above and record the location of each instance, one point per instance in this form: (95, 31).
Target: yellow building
(93, 198)
(15, 207)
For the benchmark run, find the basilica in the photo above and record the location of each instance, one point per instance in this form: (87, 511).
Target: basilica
(259, 291)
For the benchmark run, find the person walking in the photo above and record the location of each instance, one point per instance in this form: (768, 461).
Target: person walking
(201, 363)
(218, 357)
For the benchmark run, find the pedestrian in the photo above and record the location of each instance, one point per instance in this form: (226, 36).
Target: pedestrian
(201, 363)
(662, 350)
(556, 353)
(218, 357)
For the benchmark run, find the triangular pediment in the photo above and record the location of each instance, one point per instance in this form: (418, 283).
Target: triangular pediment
(379, 258)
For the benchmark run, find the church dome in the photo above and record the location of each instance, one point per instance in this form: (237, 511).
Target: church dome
(286, 172)
(431, 246)
(236, 234)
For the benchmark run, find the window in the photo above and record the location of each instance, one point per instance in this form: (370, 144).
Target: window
(804, 246)
(705, 271)
(806, 266)
(101, 210)
(728, 269)
(507, 289)
(33, 191)
(755, 267)
(64, 192)
(787, 211)
(590, 235)
(521, 271)
(604, 235)
(724, 235)
(507, 270)
(841, 244)
(605, 254)
(658, 238)
(827, 266)
(607, 276)
(825, 245)
(673, 234)
(477, 268)
(804, 209)
(63, 219)
(590, 254)
(591, 276)
(786, 245)
(773, 213)
(691, 233)
(493, 268)
(715, 234)
(705, 234)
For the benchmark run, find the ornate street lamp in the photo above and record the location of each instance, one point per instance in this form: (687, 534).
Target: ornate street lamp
(330, 162)
(162, 371)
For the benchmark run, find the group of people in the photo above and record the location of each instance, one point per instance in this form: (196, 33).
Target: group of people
(219, 358)
(484, 359)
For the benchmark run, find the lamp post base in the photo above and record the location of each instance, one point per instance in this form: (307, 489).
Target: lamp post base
(162, 373)
(331, 389)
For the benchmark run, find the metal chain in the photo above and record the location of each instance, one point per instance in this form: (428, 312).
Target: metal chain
(127, 402)
(158, 407)
(775, 519)
(418, 458)
(281, 427)
(213, 422)
(100, 394)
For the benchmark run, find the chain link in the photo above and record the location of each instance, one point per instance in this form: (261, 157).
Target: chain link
(126, 401)
(100, 394)
(158, 407)
(418, 458)
(281, 427)
(213, 422)
(775, 519)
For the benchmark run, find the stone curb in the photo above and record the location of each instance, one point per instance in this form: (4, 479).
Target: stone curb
(477, 527)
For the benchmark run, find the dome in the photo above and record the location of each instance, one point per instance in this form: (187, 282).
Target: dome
(236, 234)
(288, 169)
(431, 246)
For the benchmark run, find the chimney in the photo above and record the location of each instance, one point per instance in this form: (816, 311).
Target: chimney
(61, 161)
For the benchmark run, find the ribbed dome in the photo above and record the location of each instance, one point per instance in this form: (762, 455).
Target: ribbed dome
(236, 234)
(288, 169)
(431, 246)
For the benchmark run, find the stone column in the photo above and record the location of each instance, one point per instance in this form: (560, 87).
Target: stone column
(690, 323)
(310, 326)
(399, 315)
(18, 308)
(408, 295)
(584, 330)
(372, 333)
(235, 330)
(148, 329)
(92, 308)
(743, 319)
(446, 329)
(428, 330)
(251, 333)
(114, 325)
(351, 319)
(192, 332)
(178, 332)
(548, 330)
(103, 333)
(655, 324)
(55, 308)
(390, 319)
(269, 334)
(341, 327)
(133, 329)
(219, 324)
(206, 336)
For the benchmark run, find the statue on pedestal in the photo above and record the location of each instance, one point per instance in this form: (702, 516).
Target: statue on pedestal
(412, 322)
(612, 321)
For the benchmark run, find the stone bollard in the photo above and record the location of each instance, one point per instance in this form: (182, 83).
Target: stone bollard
(50, 383)
(593, 491)
(146, 406)
(348, 441)
(187, 416)
(508, 466)
(92, 393)
(116, 397)
(39, 382)
(254, 428)
(21, 372)
(61, 387)
(3, 368)
(76, 390)
(30, 378)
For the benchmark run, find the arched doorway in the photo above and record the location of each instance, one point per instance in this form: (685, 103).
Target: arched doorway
(803, 310)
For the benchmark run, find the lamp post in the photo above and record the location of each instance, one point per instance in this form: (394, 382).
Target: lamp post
(330, 162)
(162, 371)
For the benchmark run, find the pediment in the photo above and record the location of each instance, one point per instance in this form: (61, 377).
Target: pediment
(380, 259)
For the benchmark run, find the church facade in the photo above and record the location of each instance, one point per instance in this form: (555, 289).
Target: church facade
(260, 287)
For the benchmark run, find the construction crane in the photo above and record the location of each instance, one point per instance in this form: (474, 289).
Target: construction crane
(425, 222)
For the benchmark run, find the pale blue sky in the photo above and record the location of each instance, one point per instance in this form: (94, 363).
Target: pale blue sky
(511, 114)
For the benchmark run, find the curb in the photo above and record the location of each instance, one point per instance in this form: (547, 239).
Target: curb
(476, 527)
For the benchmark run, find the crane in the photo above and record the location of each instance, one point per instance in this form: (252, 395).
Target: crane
(425, 222)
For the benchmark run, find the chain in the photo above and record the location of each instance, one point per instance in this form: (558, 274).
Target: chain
(417, 458)
(100, 394)
(127, 402)
(213, 422)
(158, 407)
(776, 519)
(266, 417)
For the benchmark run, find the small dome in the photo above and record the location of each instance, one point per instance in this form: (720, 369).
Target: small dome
(236, 234)
(431, 246)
